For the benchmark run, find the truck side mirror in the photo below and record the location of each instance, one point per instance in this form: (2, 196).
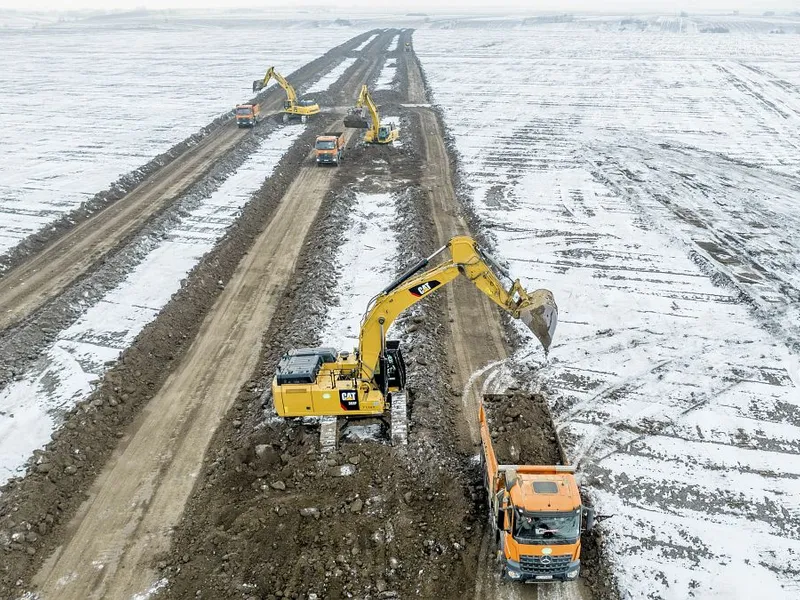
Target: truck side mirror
(589, 515)
(507, 520)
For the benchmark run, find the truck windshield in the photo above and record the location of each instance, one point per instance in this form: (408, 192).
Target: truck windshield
(326, 145)
(243, 111)
(549, 528)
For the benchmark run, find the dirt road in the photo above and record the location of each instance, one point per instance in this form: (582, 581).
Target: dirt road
(142, 492)
(476, 341)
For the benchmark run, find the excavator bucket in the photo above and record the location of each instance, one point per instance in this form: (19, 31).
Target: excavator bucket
(541, 317)
(356, 119)
(257, 85)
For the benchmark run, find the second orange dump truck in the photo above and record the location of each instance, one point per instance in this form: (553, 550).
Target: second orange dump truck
(329, 148)
(247, 115)
(535, 512)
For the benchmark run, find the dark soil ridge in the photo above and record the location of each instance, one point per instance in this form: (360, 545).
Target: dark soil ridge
(128, 182)
(268, 519)
(39, 505)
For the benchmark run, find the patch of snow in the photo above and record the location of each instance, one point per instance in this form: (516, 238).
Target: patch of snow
(30, 409)
(152, 590)
(326, 81)
(363, 433)
(393, 45)
(387, 76)
(370, 247)
(364, 44)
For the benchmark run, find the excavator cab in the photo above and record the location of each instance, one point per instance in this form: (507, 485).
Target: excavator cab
(385, 132)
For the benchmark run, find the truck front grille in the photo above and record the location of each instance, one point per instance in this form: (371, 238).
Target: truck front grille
(544, 565)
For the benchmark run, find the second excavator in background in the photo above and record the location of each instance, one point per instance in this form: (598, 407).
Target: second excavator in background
(325, 382)
(377, 133)
(292, 107)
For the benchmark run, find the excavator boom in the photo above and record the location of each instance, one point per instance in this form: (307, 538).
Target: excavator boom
(291, 107)
(536, 309)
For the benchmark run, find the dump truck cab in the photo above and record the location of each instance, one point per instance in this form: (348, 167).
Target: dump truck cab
(329, 148)
(539, 522)
(247, 115)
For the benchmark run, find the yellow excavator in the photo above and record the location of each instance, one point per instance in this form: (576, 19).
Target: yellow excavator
(357, 119)
(292, 107)
(324, 382)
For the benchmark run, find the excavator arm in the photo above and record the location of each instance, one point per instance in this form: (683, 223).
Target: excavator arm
(260, 84)
(536, 309)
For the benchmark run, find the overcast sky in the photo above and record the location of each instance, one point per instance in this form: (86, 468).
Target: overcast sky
(756, 6)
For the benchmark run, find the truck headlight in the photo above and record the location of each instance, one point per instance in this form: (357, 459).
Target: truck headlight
(513, 574)
(573, 572)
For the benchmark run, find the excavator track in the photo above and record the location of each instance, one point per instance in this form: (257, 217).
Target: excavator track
(399, 422)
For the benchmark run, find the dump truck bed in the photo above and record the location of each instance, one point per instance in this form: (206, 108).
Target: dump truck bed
(521, 429)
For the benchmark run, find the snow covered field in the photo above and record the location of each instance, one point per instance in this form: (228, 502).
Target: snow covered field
(63, 376)
(630, 173)
(80, 105)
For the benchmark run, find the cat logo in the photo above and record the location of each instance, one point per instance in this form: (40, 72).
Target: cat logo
(424, 288)
(348, 399)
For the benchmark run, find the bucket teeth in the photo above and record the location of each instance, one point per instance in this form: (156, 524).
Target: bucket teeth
(399, 419)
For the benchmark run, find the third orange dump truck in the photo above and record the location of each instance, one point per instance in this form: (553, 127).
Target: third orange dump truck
(536, 514)
(247, 115)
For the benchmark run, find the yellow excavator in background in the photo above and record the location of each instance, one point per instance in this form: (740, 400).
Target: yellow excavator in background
(292, 107)
(357, 119)
(329, 383)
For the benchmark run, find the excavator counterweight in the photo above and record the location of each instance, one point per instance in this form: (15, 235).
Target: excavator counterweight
(324, 382)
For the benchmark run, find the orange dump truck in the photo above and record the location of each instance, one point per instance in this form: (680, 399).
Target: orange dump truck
(329, 148)
(535, 512)
(247, 115)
